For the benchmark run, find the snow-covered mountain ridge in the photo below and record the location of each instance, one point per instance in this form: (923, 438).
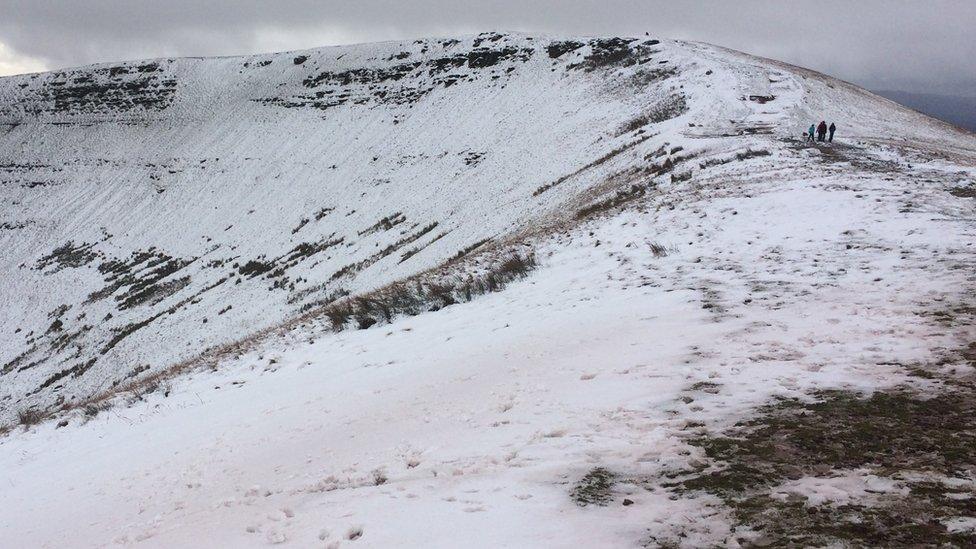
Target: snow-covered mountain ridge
(154, 209)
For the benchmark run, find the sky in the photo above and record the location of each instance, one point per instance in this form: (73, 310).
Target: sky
(924, 46)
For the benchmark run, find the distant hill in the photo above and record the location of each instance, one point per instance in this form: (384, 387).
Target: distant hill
(957, 110)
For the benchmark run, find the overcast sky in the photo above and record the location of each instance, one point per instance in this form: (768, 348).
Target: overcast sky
(922, 46)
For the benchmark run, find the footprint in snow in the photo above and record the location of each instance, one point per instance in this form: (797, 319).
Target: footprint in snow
(275, 537)
(144, 535)
(354, 533)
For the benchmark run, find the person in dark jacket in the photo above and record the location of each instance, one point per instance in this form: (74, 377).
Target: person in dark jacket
(813, 128)
(832, 129)
(822, 131)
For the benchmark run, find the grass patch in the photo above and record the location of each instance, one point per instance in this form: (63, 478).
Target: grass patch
(739, 156)
(705, 387)
(467, 250)
(896, 434)
(93, 409)
(30, 416)
(68, 255)
(594, 488)
(670, 107)
(410, 299)
(620, 198)
(963, 192)
(384, 224)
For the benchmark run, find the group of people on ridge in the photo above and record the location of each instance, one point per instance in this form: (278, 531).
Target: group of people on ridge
(821, 131)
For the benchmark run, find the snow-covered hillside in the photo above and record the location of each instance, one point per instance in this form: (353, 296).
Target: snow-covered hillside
(697, 258)
(152, 210)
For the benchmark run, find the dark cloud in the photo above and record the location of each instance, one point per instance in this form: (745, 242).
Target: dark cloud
(894, 44)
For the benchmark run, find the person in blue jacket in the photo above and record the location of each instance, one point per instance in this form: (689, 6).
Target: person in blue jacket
(810, 132)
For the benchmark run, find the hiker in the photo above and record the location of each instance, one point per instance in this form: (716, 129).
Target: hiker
(810, 132)
(832, 129)
(821, 131)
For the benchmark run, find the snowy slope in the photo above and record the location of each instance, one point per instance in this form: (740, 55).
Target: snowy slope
(137, 196)
(152, 210)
